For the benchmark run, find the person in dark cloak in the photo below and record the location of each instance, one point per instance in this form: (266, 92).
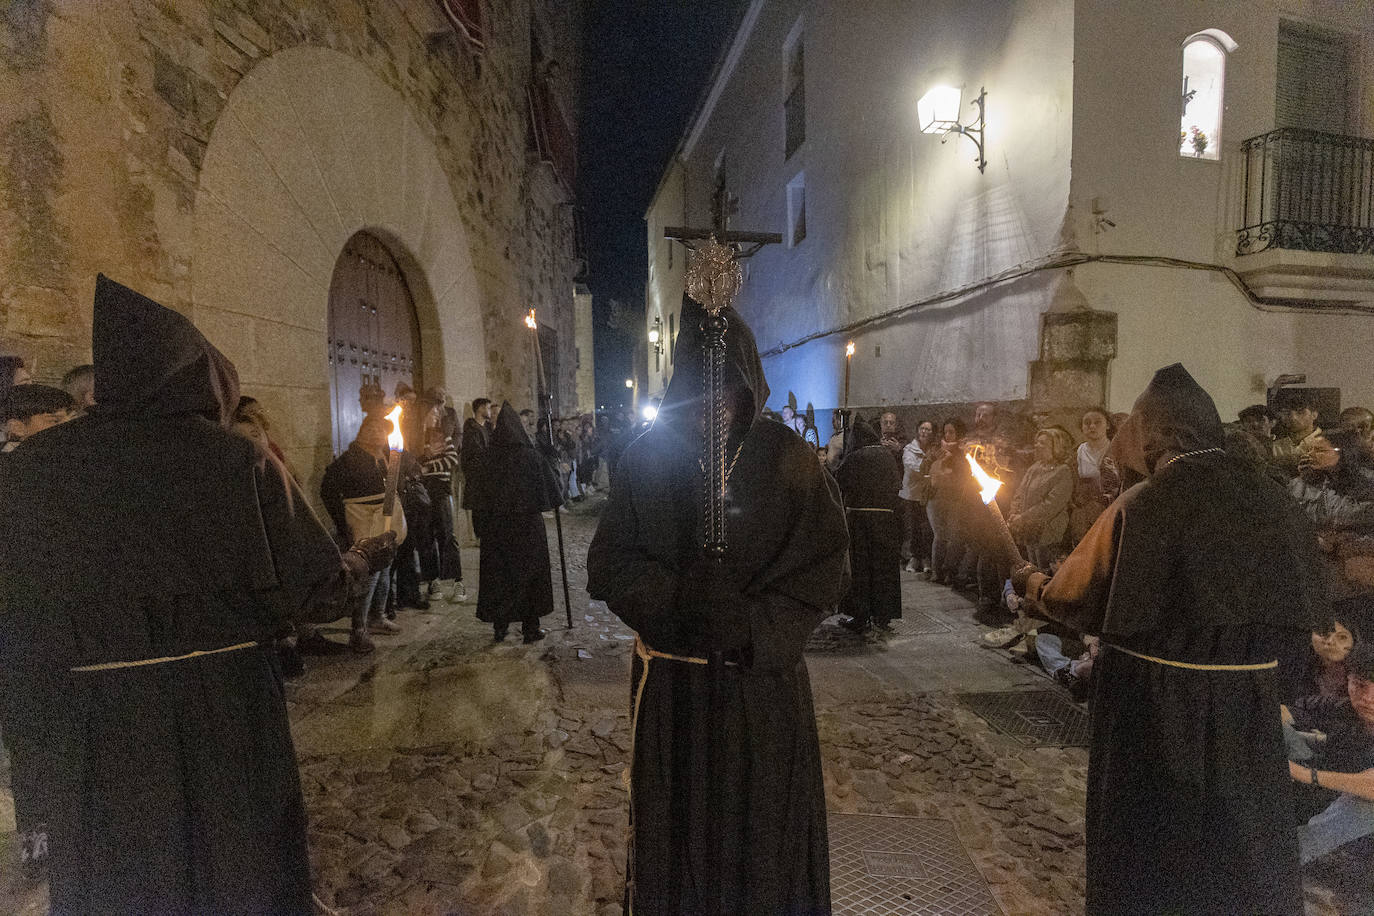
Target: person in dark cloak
(727, 806)
(515, 485)
(869, 481)
(151, 554)
(1200, 582)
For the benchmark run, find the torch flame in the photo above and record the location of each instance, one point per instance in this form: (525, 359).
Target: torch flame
(395, 441)
(849, 349)
(529, 320)
(988, 485)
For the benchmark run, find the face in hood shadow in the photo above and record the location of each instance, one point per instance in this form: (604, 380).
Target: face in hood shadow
(680, 412)
(152, 361)
(510, 431)
(1172, 416)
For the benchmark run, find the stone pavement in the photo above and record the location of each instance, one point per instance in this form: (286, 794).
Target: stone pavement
(446, 774)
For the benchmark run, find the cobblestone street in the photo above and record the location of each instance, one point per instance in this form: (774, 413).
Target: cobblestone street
(446, 774)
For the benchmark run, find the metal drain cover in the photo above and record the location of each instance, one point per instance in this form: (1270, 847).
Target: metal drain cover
(1036, 718)
(902, 866)
(831, 637)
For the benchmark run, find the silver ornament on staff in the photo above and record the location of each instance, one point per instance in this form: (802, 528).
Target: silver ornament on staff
(713, 280)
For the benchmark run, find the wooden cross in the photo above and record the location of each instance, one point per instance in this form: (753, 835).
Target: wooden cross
(723, 206)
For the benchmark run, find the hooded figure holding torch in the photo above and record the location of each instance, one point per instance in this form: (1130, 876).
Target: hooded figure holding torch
(1199, 580)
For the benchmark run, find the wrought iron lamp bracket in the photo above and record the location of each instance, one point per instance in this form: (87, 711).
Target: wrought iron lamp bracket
(974, 131)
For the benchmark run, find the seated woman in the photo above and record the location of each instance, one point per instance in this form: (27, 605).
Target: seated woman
(1331, 751)
(1325, 673)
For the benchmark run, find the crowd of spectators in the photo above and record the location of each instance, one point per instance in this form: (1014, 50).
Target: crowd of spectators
(1056, 484)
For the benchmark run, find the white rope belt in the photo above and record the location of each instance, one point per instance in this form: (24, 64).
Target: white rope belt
(115, 666)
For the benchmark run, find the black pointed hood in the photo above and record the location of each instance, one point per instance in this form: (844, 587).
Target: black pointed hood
(150, 360)
(742, 367)
(510, 431)
(1172, 416)
(862, 435)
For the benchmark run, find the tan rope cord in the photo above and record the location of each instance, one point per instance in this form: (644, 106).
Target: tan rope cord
(115, 666)
(862, 509)
(1258, 666)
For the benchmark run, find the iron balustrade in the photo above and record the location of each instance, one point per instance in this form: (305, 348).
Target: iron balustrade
(1307, 190)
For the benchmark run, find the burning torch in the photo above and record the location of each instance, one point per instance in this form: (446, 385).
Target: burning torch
(395, 443)
(988, 487)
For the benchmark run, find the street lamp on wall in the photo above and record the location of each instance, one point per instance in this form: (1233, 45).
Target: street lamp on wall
(656, 335)
(938, 113)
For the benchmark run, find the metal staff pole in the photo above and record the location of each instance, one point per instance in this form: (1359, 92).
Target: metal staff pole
(533, 324)
(714, 280)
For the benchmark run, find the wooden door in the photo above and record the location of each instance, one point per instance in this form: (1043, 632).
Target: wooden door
(374, 337)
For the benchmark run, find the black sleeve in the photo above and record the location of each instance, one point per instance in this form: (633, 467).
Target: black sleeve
(331, 494)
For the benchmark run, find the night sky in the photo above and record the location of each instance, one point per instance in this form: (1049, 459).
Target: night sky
(645, 64)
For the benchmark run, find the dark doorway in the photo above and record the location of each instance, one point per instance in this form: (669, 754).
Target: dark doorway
(374, 337)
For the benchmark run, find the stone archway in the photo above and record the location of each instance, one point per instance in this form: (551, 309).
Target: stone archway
(311, 148)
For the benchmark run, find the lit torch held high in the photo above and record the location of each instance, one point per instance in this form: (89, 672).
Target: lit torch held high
(988, 487)
(395, 443)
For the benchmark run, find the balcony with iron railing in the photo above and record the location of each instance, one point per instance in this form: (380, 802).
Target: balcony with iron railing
(1307, 216)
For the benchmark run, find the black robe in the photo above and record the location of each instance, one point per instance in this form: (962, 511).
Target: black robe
(146, 530)
(514, 484)
(869, 481)
(786, 566)
(1203, 562)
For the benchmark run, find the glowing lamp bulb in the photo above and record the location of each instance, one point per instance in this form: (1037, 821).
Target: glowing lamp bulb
(529, 320)
(395, 441)
(938, 110)
(650, 412)
(849, 349)
(653, 336)
(629, 383)
(988, 485)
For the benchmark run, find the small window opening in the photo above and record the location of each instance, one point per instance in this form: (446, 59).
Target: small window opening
(1204, 81)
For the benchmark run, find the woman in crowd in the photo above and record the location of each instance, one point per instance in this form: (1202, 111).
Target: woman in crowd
(1330, 486)
(1088, 493)
(950, 481)
(1331, 644)
(1040, 509)
(915, 494)
(439, 557)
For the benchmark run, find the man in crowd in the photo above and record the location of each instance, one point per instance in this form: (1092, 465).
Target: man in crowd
(29, 409)
(1297, 411)
(726, 797)
(150, 556)
(79, 382)
(1197, 579)
(1340, 766)
(515, 486)
(791, 420)
(1258, 421)
(891, 437)
(476, 436)
(352, 491)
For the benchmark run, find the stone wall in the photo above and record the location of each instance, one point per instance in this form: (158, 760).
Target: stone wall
(108, 115)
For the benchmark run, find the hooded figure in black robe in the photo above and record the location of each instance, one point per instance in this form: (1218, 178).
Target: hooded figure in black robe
(1198, 579)
(151, 555)
(869, 481)
(514, 485)
(762, 794)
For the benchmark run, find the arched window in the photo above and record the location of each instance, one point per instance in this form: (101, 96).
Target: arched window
(1204, 83)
